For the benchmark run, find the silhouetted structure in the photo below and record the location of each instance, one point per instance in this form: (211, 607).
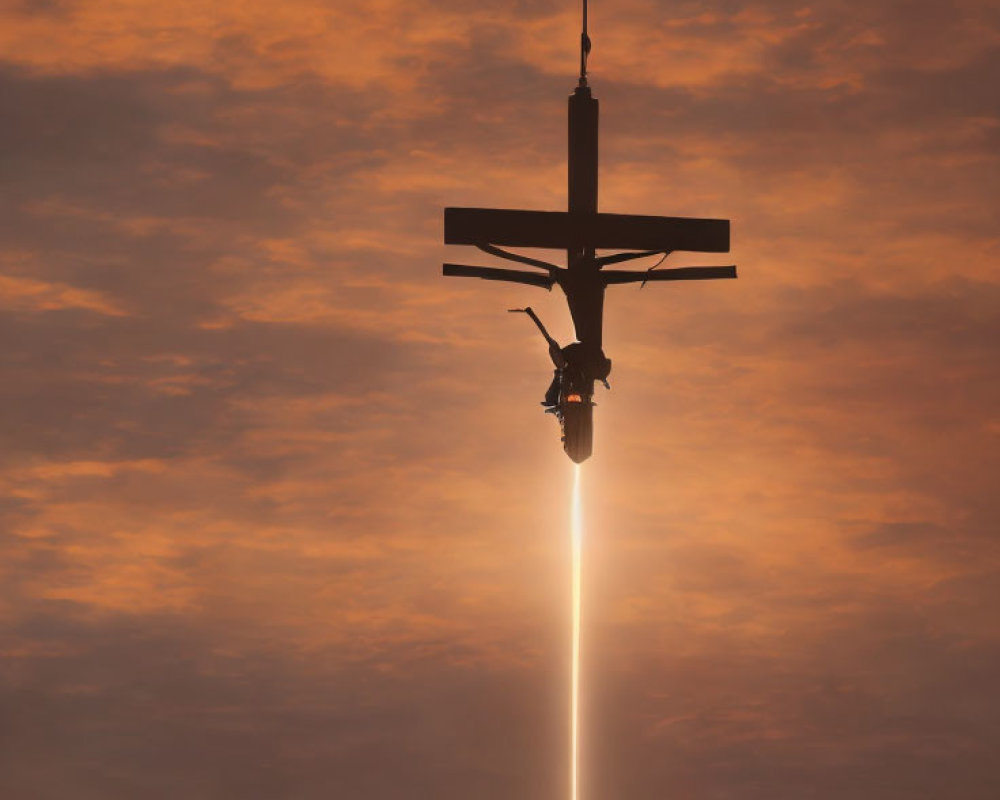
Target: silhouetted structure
(582, 231)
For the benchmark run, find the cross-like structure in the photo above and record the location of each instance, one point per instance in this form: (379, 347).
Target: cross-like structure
(582, 230)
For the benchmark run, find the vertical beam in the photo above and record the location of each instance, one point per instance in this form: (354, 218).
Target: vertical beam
(582, 152)
(584, 291)
(582, 284)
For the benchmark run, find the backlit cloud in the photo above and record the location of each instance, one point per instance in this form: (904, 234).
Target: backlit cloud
(281, 515)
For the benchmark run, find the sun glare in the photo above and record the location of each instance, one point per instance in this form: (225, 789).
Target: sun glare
(576, 535)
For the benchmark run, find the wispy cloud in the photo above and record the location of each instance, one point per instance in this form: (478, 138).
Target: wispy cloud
(282, 516)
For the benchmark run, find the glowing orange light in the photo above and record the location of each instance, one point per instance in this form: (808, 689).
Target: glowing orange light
(576, 526)
(574, 398)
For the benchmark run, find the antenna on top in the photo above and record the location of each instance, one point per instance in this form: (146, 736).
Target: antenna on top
(584, 47)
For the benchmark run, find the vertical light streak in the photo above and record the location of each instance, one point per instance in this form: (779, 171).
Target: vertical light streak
(576, 535)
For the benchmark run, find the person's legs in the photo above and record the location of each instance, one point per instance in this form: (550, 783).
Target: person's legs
(552, 393)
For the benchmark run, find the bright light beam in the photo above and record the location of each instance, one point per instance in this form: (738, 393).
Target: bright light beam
(576, 536)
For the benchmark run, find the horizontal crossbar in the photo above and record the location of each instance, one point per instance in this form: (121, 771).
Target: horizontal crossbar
(559, 230)
(675, 274)
(494, 274)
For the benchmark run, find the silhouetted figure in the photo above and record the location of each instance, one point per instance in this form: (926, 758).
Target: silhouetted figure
(576, 366)
(581, 367)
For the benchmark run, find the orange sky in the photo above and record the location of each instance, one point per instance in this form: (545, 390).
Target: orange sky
(281, 515)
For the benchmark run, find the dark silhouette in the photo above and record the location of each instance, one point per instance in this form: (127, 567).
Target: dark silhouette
(581, 231)
(569, 393)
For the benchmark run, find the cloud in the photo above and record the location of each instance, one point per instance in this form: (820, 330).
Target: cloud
(25, 294)
(282, 517)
